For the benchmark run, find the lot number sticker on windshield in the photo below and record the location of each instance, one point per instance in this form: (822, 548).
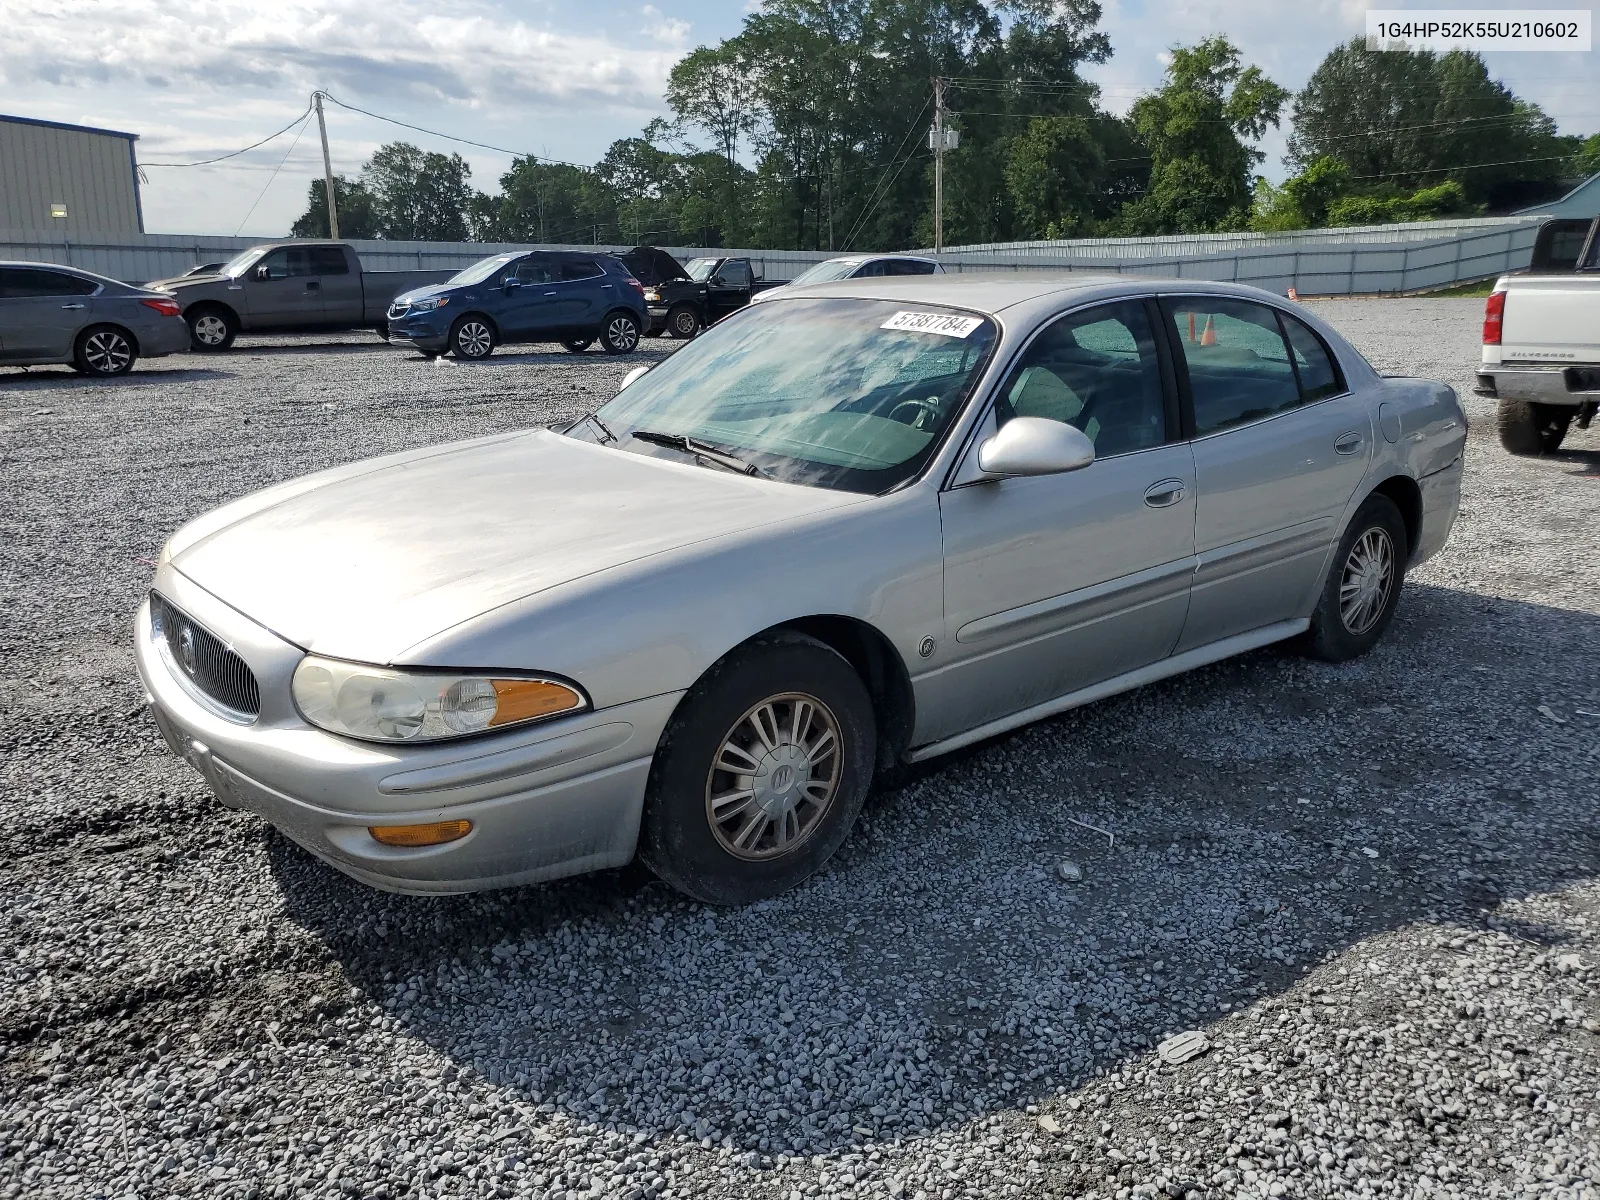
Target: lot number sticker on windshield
(925, 322)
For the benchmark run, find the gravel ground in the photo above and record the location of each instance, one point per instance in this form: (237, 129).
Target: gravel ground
(1372, 886)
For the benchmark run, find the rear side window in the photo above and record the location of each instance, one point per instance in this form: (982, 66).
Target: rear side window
(328, 260)
(1096, 370)
(916, 268)
(580, 268)
(1239, 369)
(21, 282)
(1319, 374)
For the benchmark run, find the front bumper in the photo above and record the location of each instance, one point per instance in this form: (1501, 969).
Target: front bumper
(546, 801)
(420, 337)
(1570, 385)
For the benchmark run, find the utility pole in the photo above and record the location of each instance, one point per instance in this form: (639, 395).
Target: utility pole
(327, 170)
(938, 163)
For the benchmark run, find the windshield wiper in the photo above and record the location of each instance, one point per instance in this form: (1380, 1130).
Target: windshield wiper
(594, 419)
(705, 450)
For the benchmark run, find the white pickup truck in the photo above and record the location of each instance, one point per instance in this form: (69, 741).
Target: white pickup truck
(1541, 340)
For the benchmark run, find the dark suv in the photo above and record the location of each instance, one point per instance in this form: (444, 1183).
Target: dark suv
(574, 299)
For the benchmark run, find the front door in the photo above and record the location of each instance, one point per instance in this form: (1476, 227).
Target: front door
(1056, 582)
(280, 290)
(1280, 448)
(525, 305)
(41, 312)
(728, 289)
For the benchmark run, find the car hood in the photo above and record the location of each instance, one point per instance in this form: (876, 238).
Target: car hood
(412, 295)
(363, 562)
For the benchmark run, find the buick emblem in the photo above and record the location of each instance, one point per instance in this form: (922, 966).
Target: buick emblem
(186, 648)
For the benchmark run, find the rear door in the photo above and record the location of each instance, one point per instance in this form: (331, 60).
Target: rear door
(41, 312)
(582, 292)
(280, 290)
(1280, 447)
(342, 299)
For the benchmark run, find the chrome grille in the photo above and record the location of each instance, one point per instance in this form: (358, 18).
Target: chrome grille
(204, 660)
(398, 310)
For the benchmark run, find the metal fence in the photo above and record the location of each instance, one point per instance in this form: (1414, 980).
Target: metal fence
(1317, 262)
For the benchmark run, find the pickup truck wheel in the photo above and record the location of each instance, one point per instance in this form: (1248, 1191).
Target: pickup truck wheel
(211, 328)
(578, 345)
(472, 337)
(761, 772)
(1527, 428)
(103, 351)
(1363, 584)
(683, 322)
(620, 334)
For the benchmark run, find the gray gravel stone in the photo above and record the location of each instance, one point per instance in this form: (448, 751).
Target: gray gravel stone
(189, 1006)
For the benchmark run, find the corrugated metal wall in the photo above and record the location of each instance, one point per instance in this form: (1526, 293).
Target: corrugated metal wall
(1321, 262)
(91, 173)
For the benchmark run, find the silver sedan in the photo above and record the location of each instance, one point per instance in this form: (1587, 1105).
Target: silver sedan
(862, 525)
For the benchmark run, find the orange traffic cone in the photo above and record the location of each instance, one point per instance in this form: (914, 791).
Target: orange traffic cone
(1191, 329)
(1208, 336)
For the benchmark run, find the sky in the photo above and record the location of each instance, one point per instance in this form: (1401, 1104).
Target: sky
(558, 78)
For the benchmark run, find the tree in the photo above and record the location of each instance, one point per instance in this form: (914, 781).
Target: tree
(1052, 173)
(1406, 122)
(1303, 201)
(712, 88)
(419, 195)
(554, 203)
(358, 217)
(1196, 127)
(1586, 161)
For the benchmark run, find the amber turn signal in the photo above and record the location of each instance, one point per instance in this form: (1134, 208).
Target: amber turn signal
(435, 833)
(523, 699)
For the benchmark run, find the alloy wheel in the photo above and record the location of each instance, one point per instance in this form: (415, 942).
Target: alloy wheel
(107, 353)
(774, 776)
(474, 339)
(210, 330)
(622, 333)
(1366, 581)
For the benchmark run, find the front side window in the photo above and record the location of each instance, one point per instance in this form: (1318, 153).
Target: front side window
(21, 282)
(288, 262)
(1096, 370)
(1239, 369)
(837, 393)
(735, 274)
(534, 270)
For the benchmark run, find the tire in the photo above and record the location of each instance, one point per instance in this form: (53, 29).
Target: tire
(472, 337)
(103, 351)
(212, 328)
(382, 327)
(683, 322)
(1527, 428)
(728, 859)
(577, 345)
(1362, 589)
(620, 333)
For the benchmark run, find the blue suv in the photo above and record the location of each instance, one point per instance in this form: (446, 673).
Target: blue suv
(574, 299)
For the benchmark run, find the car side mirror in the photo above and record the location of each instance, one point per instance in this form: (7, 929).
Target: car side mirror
(511, 284)
(632, 375)
(263, 272)
(718, 281)
(1035, 446)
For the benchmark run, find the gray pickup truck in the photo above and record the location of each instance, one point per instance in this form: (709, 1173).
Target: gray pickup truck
(288, 287)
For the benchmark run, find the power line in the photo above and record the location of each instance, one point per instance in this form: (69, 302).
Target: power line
(205, 162)
(916, 122)
(304, 122)
(1510, 162)
(450, 137)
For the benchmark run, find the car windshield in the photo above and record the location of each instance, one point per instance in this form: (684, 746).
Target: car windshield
(240, 263)
(839, 393)
(700, 268)
(825, 272)
(479, 271)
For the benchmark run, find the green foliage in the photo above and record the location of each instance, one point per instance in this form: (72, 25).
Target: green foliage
(1586, 161)
(1196, 127)
(1448, 199)
(1301, 202)
(1051, 172)
(358, 214)
(419, 195)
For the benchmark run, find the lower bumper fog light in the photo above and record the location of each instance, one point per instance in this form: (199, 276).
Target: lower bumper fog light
(435, 833)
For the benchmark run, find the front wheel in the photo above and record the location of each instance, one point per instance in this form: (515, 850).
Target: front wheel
(472, 337)
(103, 351)
(1527, 428)
(761, 772)
(577, 345)
(1363, 584)
(211, 328)
(620, 334)
(683, 322)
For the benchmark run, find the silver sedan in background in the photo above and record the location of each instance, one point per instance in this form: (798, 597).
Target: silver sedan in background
(862, 525)
(54, 314)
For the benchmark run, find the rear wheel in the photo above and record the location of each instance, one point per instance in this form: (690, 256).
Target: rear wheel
(620, 333)
(683, 322)
(761, 773)
(211, 327)
(1363, 584)
(577, 345)
(472, 337)
(104, 350)
(1527, 428)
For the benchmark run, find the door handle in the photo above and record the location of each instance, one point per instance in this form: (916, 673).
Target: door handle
(549, 293)
(1165, 494)
(72, 306)
(313, 286)
(1349, 443)
(608, 287)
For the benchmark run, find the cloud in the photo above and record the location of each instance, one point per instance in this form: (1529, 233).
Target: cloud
(475, 53)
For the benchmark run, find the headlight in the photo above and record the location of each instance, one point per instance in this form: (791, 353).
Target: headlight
(652, 294)
(380, 705)
(431, 303)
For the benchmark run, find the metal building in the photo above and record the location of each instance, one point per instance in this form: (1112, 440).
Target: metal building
(67, 180)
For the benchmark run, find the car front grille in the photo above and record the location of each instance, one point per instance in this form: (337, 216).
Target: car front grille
(204, 659)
